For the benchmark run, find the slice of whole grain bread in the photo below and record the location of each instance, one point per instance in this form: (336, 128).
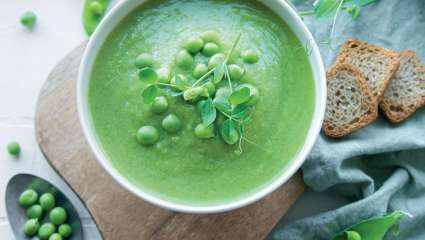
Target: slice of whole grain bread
(406, 92)
(377, 64)
(350, 103)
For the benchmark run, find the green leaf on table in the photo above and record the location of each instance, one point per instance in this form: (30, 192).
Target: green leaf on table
(91, 16)
(240, 96)
(208, 112)
(359, 3)
(148, 75)
(219, 71)
(229, 133)
(326, 8)
(150, 93)
(373, 228)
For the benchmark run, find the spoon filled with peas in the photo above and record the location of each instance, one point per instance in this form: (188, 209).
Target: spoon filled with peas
(38, 210)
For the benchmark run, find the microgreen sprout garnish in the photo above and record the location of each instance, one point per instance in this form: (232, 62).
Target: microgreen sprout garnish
(224, 107)
(331, 8)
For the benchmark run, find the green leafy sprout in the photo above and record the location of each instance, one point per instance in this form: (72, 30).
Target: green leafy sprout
(323, 9)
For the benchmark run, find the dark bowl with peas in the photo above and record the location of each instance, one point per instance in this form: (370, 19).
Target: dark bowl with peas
(36, 209)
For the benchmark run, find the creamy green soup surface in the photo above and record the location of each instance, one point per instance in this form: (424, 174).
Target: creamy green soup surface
(181, 167)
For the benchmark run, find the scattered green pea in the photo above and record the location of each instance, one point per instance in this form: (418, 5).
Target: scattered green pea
(253, 91)
(14, 149)
(200, 70)
(235, 72)
(182, 78)
(163, 75)
(172, 123)
(250, 56)
(215, 60)
(210, 49)
(47, 201)
(28, 198)
(55, 236)
(184, 59)
(65, 230)
(58, 216)
(147, 135)
(31, 227)
(28, 19)
(96, 8)
(204, 132)
(210, 36)
(210, 88)
(159, 105)
(35, 212)
(46, 230)
(194, 44)
(144, 60)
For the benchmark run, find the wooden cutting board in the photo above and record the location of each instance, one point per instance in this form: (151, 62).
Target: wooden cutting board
(119, 214)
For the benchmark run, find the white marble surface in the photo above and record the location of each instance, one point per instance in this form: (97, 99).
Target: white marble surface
(26, 57)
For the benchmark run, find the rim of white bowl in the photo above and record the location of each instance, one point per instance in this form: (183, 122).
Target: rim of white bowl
(293, 20)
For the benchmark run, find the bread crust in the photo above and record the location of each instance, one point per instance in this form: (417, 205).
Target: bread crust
(335, 131)
(360, 47)
(393, 111)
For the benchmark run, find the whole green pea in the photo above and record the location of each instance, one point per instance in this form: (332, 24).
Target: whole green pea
(46, 230)
(235, 72)
(159, 105)
(210, 49)
(163, 75)
(28, 19)
(210, 36)
(200, 70)
(250, 56)
(253, 91)
(210, 88)
(96, 8)
(55, 236)
(47, 201)
(144, 60)
(194, 44)
(147, 135)
(57, 215)
(65, 230)
(31, 227)
(172, 123)
(14, 149)
(215, 60)
(28, 198)
(204, 132)
(35, 212)
(193, 93)
(184, 59)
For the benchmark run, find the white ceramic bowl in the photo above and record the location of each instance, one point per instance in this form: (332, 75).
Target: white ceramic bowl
(281, 8)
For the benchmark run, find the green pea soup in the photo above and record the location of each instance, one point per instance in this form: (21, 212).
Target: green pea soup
(181, 167)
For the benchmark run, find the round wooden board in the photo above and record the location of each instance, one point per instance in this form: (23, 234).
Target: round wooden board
(118, 213)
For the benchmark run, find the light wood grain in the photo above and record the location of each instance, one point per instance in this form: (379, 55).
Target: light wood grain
(119, 214)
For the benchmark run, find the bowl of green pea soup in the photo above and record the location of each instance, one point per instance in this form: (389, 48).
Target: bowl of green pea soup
(201, 106)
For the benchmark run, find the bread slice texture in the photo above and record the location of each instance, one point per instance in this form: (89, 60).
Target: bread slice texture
(406, 92)
(377, 64)
(350, 103)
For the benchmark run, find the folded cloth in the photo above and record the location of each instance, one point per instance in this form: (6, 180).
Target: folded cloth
(380, 168)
